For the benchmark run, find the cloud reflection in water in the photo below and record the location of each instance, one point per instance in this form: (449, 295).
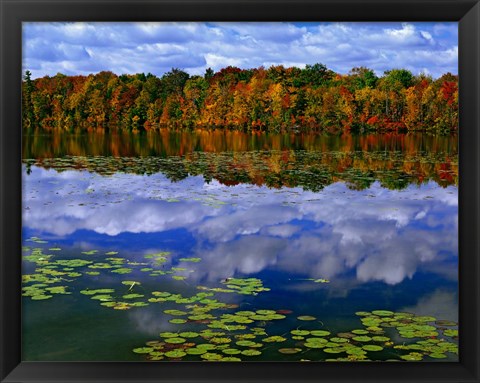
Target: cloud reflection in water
(378, 234)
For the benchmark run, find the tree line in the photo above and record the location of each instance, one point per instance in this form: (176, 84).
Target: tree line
(275, 99)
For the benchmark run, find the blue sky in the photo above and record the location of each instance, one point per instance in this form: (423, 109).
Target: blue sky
(83, 48)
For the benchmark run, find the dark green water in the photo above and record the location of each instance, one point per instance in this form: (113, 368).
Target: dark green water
(327, 226)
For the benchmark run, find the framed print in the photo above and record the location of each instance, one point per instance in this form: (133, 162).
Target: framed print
(244, 191)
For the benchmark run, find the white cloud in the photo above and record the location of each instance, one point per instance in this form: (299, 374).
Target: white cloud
(387, 237)
(82, 48)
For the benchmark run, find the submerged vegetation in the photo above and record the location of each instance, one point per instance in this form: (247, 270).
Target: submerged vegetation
(273, 99)
(212, 330)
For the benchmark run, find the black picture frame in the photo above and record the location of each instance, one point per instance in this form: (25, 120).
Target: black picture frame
(14, 12)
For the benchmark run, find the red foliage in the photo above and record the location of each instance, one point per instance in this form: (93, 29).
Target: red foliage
(448, 90)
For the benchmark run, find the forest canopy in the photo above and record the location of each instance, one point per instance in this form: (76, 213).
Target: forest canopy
(276, 99)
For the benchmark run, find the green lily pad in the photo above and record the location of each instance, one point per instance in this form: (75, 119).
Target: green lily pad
(195, 351)
(41, 297)
(314, 345)
(275, 338)
(230, 359)
(245, 313)
(143, 350)
(132, 296)
(102, 297)
(266, 312)
(175, 354)
(251, 352)
(231, 351)
(372, 347)
(175, 340)
(424, 319)
(168, 334)
(245, 343)
(207, 346)
(300, 332)
(320, 333)
(383, 313)
(211, 356)
(450, 332)
(122, 270)
(306, 318)
(334, 350)
(189, 334)
(90, 252)
(380, 338)
(131, 283)
(175, 312)
(437, 355)
(414, 356)
(177, 321)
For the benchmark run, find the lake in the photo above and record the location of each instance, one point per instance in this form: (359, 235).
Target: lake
(223, 245)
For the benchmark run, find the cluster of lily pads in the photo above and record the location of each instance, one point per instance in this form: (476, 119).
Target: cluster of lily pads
(245, 286)
(375, 341)
(212, 330)
(61, 272)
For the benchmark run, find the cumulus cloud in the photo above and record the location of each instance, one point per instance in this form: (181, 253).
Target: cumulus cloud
(243, 229)
(440, 304)
(156, 47)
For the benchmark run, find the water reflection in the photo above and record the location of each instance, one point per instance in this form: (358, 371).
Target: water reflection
(374, 235)
(168, 142)
(310, 161)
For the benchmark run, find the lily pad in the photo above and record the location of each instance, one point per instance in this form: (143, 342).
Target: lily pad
(175, 340)
(41, 297)
(143, 350)
(195, 351)
(175, 354)
(275, 338)
(175, 312)
(437, 355)
(383, 313)
(372, 347)
(414, 356)
(300, 332)
(211, 356)
(450, 332)
(306, 318)
(320, 333)
(189, 334)
(177, 321)
(230, 359)
(334, 350)
(231, 351)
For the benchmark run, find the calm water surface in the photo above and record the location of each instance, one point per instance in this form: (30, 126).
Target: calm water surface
(329, 226)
